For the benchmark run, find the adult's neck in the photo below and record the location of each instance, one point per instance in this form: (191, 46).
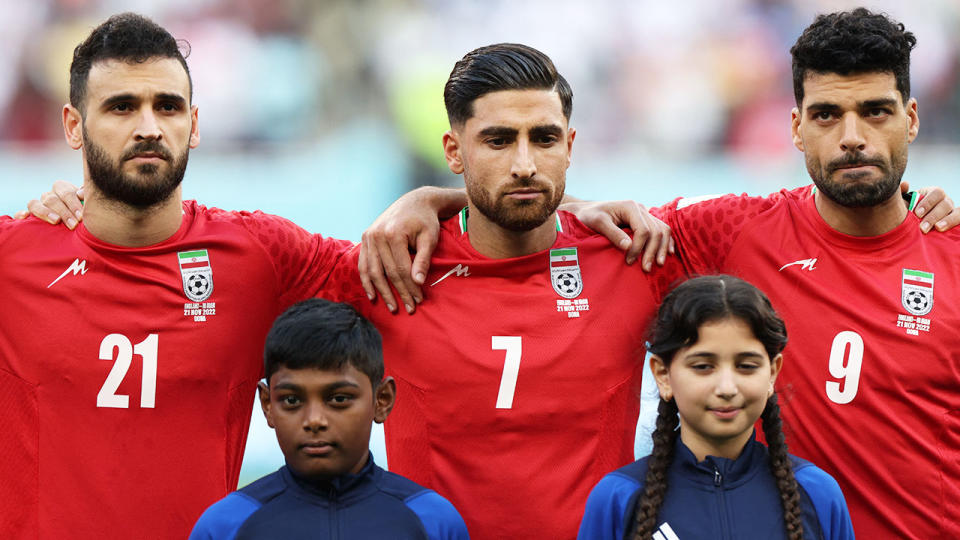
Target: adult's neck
(493, 241)
(866, 221)
(124, 225)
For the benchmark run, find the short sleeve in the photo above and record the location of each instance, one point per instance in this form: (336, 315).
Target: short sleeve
(303, 261)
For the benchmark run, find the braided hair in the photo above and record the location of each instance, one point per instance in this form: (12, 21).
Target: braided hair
(688, 307)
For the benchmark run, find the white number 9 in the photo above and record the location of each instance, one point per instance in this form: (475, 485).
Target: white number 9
(847, 371)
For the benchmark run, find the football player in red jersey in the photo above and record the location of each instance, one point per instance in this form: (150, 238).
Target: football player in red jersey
(130, 345)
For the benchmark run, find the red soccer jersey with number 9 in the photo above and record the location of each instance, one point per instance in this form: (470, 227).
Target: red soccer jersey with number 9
(870, 387)
(517, 378)
(127, 375)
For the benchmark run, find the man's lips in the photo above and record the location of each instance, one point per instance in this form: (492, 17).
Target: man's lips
(525, 193)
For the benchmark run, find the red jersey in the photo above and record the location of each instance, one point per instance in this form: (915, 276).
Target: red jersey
(870, 386)
(517, 378)
(128, 373)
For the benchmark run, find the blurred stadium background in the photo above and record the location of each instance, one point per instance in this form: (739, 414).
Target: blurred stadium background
(325, 111)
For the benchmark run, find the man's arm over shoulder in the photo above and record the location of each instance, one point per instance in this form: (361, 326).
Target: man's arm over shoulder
(223, 519)
(705, 228)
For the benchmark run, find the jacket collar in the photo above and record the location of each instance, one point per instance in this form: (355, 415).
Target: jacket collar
(718, 471)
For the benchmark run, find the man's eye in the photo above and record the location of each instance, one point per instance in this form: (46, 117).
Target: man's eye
(499, 141)
(169, 107)
(877, 113)
(823, 115)
(122, 107)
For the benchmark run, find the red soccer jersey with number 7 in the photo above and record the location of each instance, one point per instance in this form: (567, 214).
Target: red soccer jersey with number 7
(517, 378)
(870, 387)
(127, 375)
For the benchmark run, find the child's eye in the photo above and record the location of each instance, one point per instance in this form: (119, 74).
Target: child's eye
(701, 367)
(341, 399)
(290, 400)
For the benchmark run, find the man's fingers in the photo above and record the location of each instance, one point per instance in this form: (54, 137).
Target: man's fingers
(68, 194)
(402, 278)
(363, 266)
(372, 274)
(52, 210)
(936, 210)
(426, 243)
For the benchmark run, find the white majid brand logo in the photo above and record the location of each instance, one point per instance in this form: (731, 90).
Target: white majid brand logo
(459, 270)
(77, 267)
(804, 264)
(665, 532)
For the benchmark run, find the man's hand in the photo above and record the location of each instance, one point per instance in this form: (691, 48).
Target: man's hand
(61, 203)
(935, 208)
(411, 222)
(650, 235)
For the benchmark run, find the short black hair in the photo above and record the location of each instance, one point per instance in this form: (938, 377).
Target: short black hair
(504, 66)
(853, 42)
(128, 37)
(320, 334)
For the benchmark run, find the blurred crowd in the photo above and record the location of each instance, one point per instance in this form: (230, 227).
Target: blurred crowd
(676, 79)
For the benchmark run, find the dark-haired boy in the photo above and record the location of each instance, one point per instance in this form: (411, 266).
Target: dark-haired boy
(324, 387)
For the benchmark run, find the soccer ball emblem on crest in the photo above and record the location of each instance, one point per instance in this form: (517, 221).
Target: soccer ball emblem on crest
(198, 285)
(916, 302)
(566, 283)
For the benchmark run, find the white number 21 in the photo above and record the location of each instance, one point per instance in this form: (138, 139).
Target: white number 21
(845, 366)
(511, 368)
(146, 349)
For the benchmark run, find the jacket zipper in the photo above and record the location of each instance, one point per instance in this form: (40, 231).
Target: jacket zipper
(722, 504)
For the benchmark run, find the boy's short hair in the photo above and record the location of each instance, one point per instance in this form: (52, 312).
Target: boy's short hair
(320, 334)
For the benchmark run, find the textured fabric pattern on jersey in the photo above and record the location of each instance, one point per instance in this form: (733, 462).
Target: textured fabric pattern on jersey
(89, 430)
(371, 505)
(523, 470)
(869, 391)
(718, 498)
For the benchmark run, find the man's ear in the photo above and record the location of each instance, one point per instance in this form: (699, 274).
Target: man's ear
(452, 151)
(72, 126)
(194, 128)
(571, 135)
(263, 390)
(385, 396)
(661, 374)
(913, 120)
(795, 128)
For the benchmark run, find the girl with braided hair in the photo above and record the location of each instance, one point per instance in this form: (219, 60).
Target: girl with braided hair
(715, 354)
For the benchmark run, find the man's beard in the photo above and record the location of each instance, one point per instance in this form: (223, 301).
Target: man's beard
(859, 194)
(148, 188)
(515, 215)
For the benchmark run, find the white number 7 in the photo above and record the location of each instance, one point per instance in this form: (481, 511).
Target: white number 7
(511, 368)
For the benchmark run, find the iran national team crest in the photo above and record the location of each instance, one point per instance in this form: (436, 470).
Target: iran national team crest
(197, 274)
(565, 272)
(916, 292)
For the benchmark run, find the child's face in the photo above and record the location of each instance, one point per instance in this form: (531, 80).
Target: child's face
(323, 418)
(721, 384)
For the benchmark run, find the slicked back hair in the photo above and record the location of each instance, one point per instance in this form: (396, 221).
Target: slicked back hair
(692, 304)
(851, 43)
(325, 335)
(128, 37)
(504, 66)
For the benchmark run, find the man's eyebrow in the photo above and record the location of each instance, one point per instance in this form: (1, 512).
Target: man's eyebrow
(879, 102)
(118, 98)
(546, 129)
(498, 131)
(176, 98)
(821, 106)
